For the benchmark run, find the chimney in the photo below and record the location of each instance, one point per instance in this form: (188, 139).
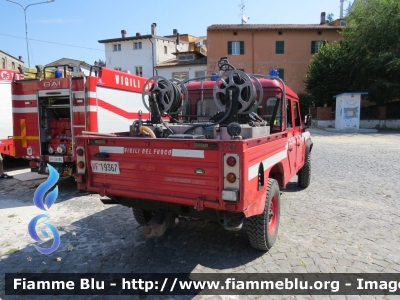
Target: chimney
(175, 31)
(123, 33)
(20, 58)
(153, 29)
(138, 34)
(323, 18)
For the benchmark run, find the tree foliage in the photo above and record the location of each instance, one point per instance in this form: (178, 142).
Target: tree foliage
(102, 63)
(368, 59)
(306, 101)
(330, 18)
(372, 31)
(330, 73)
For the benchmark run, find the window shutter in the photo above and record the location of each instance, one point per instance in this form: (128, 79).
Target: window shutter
(313, 47)
(241, 47)
(229, 47)
(279, 47)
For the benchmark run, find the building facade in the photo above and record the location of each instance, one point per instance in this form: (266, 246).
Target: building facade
(85, 67)
(10, 62)
(257, 49)
(140, 54)
(185, 65)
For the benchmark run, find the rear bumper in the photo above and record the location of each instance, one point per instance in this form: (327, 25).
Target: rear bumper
(199, 204)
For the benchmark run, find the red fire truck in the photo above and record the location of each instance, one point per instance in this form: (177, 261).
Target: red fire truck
(6, 127)
(229, 147)
(47, 112)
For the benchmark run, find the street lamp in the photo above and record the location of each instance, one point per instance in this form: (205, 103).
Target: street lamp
(26, 26)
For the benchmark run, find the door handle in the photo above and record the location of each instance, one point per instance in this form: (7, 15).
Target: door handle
(298, 145)
(290, 149)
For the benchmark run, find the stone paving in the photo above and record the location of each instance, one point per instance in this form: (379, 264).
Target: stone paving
(348, 220)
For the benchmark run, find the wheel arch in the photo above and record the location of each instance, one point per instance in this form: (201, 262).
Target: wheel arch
(277, 172)
(309, 146)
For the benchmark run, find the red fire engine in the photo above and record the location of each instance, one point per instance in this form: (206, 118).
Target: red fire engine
(228, 148)
(6, 127)
(49, 112)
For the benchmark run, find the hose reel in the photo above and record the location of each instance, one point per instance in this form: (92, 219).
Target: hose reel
(169, 97)
(239, 80)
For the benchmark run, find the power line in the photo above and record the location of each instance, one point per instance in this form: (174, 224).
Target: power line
(18, 37)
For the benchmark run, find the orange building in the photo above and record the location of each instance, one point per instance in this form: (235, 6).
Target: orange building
(257, 49)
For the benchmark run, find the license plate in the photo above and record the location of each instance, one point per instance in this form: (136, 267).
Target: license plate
(107, 167)
(58, 159)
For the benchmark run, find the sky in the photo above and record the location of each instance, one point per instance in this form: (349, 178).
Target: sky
(72, 28)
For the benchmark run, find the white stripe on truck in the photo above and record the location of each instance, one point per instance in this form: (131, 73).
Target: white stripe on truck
(188, 153)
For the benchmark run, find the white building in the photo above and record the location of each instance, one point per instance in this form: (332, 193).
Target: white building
(140, 54)
(85, 67)
(185, 65)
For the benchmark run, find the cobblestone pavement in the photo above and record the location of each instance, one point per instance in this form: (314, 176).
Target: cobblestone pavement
(346, 221)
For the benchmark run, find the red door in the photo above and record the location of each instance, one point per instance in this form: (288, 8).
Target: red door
(297, 132)
(292, 141)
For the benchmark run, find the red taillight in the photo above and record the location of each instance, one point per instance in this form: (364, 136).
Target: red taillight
(231, 177)
(79, 152)
(81, 165)
(231, 161)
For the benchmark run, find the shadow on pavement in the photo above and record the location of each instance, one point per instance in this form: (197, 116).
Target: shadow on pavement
(108, 241)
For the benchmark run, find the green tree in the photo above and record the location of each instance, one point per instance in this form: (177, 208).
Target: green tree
(330, 18)
(306, 101)
(102, 63)
(330, 73)
(372, 33)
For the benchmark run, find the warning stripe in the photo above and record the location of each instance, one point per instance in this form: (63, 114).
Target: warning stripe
(28, 137)
(23, 133)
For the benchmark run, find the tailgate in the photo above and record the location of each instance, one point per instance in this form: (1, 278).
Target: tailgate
(154, 168)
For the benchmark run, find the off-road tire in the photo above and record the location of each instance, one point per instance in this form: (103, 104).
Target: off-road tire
(259, 226)
(142, 216)
(304, 175)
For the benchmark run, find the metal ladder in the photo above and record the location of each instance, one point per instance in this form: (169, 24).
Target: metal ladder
(72, 98)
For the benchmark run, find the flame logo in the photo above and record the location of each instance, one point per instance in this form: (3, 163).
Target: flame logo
(44, 188)
(50, 198)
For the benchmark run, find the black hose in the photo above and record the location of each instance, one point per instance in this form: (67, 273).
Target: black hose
(162, 121)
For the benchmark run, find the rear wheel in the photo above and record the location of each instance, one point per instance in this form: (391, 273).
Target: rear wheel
(263, 229)
(304, 175)
(142, 216)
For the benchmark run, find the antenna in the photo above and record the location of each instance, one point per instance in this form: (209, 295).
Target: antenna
(241, 7)
(341, 9)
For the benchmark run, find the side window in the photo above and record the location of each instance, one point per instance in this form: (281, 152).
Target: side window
(289, 114)
(273, 111)
(296, 114)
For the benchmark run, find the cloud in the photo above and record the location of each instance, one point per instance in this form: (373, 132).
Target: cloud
(57, 21)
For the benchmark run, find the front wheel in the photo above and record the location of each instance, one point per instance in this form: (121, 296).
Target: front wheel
(263, 229)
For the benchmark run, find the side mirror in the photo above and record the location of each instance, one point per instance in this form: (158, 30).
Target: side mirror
(307, 121)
